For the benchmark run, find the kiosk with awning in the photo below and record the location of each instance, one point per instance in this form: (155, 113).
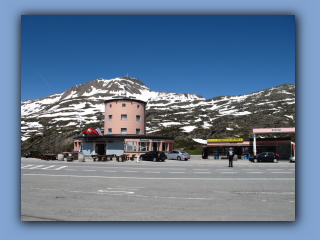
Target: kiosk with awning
(251, 146)
(267, 131)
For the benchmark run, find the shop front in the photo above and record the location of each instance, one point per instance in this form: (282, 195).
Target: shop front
(119, 145)
(143, 145)
(244, 147)
(102, 147)
(218, 148)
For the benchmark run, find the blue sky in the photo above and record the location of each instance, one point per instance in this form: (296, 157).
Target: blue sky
(210, 55)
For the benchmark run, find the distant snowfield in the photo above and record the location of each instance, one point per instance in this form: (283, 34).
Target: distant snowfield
(169, 124)
(188, 128)
(206, 125)
(202, 141)
(175, 109)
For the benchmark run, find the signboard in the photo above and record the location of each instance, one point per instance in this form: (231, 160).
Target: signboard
(225, 140)
(148, 140)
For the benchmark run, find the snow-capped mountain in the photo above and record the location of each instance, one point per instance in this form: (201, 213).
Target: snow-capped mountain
(190, 114)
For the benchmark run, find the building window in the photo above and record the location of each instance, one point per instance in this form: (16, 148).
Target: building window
(123, 105)
(123, 131)
(123, 116)
(138, 118)
(138, 132)
(138, 106)
(109, 130)
(143, 146)
(109, 117)
(110, 105)
(164, 147)
(130, 146)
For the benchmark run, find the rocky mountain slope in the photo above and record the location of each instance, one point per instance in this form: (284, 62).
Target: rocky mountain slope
(182, 116)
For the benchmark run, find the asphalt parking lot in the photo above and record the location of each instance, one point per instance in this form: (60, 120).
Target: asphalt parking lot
(194, 190)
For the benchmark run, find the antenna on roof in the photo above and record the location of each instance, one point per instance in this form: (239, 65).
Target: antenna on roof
(124, 92)
(126, 86)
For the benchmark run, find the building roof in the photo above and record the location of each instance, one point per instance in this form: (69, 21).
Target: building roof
(272, 130)
(124, 99)
(118, 136)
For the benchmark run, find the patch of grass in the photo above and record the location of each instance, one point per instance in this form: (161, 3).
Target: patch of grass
(195, 151)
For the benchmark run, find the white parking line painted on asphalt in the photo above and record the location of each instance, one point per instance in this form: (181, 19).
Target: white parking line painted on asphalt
(89, 170)
(37, 166)
(130, 171)
(49, 167)
(228, 172)
(159, 178)
(109, 171)
(108, 191)
(70, 170)
(60, 168)
(281, 172)
(254, 172)
(135, 168)
(27, 166)
(250, 169)
(177, 172)
(274, 169)
(201, 172)
(200, 169)
(151, 172)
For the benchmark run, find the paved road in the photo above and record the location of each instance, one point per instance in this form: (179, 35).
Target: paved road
(195, 190)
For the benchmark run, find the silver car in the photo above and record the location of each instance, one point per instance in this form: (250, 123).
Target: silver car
(292, 159)
(179, 155)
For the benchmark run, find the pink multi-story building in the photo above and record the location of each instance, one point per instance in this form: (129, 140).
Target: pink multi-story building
(124, 131)
(125, 116)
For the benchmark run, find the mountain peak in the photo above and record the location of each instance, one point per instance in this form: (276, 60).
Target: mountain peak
(164, 109)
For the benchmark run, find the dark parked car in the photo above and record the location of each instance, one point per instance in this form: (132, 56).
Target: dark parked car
(265, 157)
(154, 156)
(30, 153)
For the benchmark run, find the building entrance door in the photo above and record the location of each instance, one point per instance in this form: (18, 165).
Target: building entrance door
(155, 146)
(100, 149)
(238, 151)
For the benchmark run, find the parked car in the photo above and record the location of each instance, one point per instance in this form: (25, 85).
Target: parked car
(30, 153)
(154, 156)
(265, 157)
(179, 155)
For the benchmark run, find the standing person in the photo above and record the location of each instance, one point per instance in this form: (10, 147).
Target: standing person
(230, 154)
